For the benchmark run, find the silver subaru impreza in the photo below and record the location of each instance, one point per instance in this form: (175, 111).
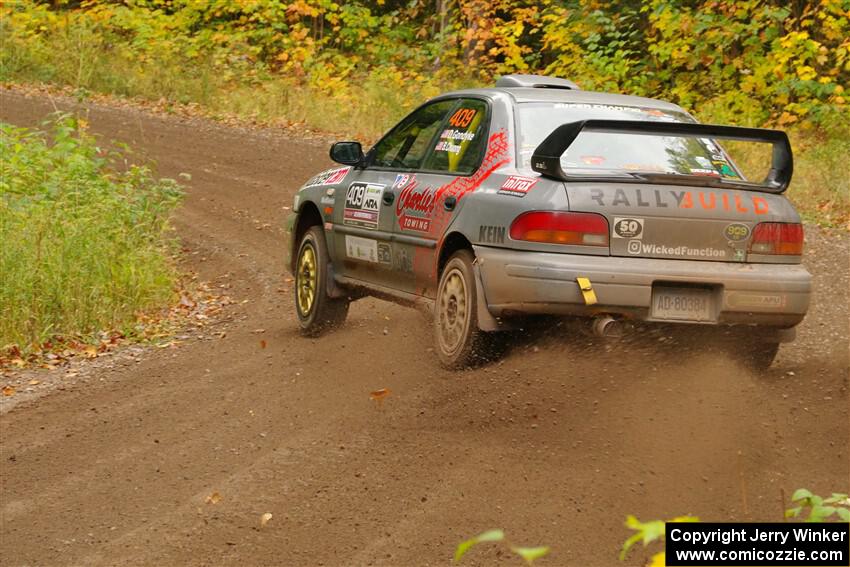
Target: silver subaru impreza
(536, 197)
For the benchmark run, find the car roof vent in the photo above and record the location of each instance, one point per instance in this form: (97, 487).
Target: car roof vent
(535, 81)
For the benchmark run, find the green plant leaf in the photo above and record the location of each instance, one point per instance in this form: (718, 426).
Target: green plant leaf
(490, 535)
(530, 553)
(793, 512)
(647, 532)
(836, 498)
(628, 544)
(844, 514)
(800, 494)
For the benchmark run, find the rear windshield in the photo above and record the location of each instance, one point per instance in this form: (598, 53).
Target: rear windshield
(601, 152)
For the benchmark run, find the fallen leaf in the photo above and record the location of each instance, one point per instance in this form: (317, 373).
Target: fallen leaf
(90, 352)
(8, 391)
(19, 362)
(258, 331)
(214, 498)
(262, 344)
(379, 395)
(34, 382)
(264, 519)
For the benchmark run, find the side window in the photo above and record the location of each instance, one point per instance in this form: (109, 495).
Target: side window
(407, 145)
(462, 140)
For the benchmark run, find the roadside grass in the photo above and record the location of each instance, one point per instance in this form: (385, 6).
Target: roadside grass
(345, 102)
(85, 244)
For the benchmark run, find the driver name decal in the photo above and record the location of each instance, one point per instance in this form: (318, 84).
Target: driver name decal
(363, 205)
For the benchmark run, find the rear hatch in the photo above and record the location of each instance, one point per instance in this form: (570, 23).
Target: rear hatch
(664, 183)
(663, 221)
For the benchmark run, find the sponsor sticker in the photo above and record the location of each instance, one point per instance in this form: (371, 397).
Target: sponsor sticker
(636, 247)
(736, 232)
(328, 177)
(628, 228)
(414, 208)
(756, 300)
(401, 180)
(384, 254)
(517, 186)
(703, 171)
(365, 249)
(735, 202)
(491, 234)
(363, 205)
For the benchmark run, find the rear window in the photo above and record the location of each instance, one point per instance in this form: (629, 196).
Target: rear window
(600, 152)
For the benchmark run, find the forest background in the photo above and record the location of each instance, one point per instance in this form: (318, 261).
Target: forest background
(354, 68)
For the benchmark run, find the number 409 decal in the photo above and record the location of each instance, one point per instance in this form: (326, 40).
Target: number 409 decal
(462, 117)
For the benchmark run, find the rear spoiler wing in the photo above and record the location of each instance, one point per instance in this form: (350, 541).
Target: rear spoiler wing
(546, 159)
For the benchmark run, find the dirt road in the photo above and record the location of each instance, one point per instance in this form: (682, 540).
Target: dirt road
(555, 444)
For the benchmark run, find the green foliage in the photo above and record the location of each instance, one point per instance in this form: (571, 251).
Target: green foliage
(84, 244)
(356, 67)
(648, 532)
(528, 554)
(835, 507)
(756, 60)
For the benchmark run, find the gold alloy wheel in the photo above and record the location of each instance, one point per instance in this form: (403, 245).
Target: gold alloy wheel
(305, 283)
(454, 310)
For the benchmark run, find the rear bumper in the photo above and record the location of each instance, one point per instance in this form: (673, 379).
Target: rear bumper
(521, 282)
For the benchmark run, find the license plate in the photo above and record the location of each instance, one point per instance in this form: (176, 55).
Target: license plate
(682, 304)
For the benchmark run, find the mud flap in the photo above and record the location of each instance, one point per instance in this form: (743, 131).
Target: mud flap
(486, 321)
(784, 335)
(333, 290)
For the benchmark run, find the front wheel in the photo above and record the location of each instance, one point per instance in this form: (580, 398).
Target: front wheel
(459, 340)
(316, 311)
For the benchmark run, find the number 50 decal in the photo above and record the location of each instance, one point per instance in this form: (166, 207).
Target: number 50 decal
(462, 118)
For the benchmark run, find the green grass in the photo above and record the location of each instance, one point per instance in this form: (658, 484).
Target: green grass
(85, 246)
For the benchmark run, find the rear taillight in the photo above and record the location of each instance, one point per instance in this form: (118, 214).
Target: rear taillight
(777, 238)
(556, 227)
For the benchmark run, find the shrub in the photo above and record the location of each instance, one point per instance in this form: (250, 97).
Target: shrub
(84, 233)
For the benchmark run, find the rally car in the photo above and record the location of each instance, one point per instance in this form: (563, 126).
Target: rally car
(536, 197)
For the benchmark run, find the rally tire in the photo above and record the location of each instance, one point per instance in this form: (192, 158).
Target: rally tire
(459, 341)
(316, 311)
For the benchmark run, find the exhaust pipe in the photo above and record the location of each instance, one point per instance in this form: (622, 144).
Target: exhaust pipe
(607, 326)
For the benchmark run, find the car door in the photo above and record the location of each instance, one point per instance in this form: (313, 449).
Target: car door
(364, 218)
(429, 198)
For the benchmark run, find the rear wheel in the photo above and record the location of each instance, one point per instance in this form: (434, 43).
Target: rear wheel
(316, 311)
(459, 340)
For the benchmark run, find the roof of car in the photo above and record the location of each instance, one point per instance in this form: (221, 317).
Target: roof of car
(530, 94)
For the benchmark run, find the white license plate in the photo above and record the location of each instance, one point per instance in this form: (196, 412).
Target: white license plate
(682, 304)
